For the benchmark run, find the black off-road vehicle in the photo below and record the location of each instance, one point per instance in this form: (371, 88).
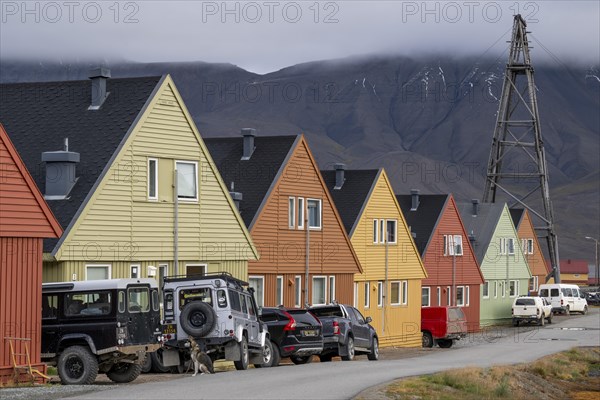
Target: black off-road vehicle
(104, 326)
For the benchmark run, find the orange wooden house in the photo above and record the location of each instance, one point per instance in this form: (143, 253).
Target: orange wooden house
(531, 248)
(25, 220)
(305, 255)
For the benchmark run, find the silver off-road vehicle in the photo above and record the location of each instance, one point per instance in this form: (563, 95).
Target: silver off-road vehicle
(220, 313)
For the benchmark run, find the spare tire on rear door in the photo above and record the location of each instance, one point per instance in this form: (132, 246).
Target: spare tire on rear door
(197, 318)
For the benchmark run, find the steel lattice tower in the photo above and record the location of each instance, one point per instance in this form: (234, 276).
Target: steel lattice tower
(518, 138)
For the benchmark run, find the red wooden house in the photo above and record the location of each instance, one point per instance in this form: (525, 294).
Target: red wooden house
(25, 220)
(453, 274)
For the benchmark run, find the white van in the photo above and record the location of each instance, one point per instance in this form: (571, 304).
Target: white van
(564, 297)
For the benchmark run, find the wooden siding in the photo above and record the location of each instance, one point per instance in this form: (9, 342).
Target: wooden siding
(119, 223)
(497, 268)
(535, 261)
(20, 297)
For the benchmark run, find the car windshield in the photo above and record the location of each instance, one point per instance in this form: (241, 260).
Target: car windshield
(327, 311)
(455, 314)
(525, 302)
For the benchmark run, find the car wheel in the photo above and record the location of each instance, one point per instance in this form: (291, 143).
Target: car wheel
(276, 355)
(242, 363)
(197, 318)
(326, 358)
(445, 343)
(267, 358)
(349, 350)
(549, 319)
(299, 360)
(427, 340)
(157, 365)
(374, 354)
(541, 321)
(77, 366)
(124, 372)
(147, 364)
(585, 310)
(515, 322)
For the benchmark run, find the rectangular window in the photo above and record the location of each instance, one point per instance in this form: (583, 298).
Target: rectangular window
(90, 304)
(367, 300)
(331, 298)
(513, 288)
(503, 288)
(50, 306)
(534, 283)
(152, 179)
(458, 247)
(450, 245)
(138, 299)
(300, 213)
(529, 246)
(485, 289)
(97, 272)
(279, 291)
(510, 245)
(187, 180)
(195, 269)
(381, 231)
(319, 290)
(134, 271)
(495, 289)
(467, 295)
(258, 284)
(314, 213)
(391, 230)
(379, 294)
(292, 212)
(448, 296)
(404, 292)
(439, 296)
(298, 293)
(460, 296)
(375, 231)
(395, 293)
(502, 245)
(445, 245)
(425, 297)
(355, 300)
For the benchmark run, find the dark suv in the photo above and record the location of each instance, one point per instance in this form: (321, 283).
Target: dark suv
(295, 333)
(104, 326)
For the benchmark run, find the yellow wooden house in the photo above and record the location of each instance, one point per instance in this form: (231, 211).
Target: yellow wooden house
(129, 178)
(389, 288)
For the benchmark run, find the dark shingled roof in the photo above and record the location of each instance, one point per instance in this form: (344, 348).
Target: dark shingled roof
(423, 221)
(252, 178)
(39, 116)
(517, 216)
(349, 200)
(482, 226)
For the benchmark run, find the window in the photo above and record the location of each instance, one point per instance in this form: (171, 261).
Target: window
(445, 250)
(381, 231)
(258, 284)
(314, 213)
(458, 247)
(355, 300)
(88, 304)
(298, 289)
(395, 293)
(300, 213)
(292, 212)
(234, 298)
(331, 298)
(318, 290)
(467, 295)
(135, 271)
(503, 288)
(49, 306)
(529, 246)
(391, 230)
(187, 180)
(152, 179)
(379, 294)
(195, 269)
(448, 296)
(404, 292)
(366, 287)
(485, 290)
(513, 288)
(97, 272)
(375, 231)
(450, 245)
(502, 245)
(439, 296)
(138, 299)
(534, 283)
(425, 297)
(279, 291)
(460, 296)
(495, 289)
(510, 245)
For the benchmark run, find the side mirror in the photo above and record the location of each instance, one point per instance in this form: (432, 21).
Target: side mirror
(368, 320)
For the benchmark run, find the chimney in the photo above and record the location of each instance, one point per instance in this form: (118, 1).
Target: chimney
(472, 236)
(236, 196)
(60, 172)
(249, 134)
(339, 175)
(414, 193)
(99, 77)
(475, 210)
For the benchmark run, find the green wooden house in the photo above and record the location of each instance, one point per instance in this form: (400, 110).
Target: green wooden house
(129, 178)
(497, 247)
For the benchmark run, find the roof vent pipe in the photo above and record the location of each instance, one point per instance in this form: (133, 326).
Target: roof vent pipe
(236, 196)
(475, 210)
(99, 76)
(249, 134)
(414, 193)
(339, 175)
(60, 172)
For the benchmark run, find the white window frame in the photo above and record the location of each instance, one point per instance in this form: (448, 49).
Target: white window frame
(379, 294)
(195, 163)
(314, 278)
(460, 289)
(495, 289)
(450, 245)
(355, 300)
(428, 296)
(516, 286)
(279, 284)
(458, 238)
(445, 245)
(485, 288)
(449, 295)
(301, 210)
(291, 212)
(260, 302)
(382, 231)
(529, 246)
(503, 246)
(535, 283)
(298, 291)
(510, 249)
(203, 265)
(375, 231)
(367, 292)
(315, 228)
(439, 296)
(503, 288)
(155, 160)
(107, 266)
(138, 271)
(331, 282)
(399, 293)
(395, 221)
(404, 295)
(467, 295)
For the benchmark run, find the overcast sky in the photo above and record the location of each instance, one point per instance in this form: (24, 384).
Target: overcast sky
(264, 36)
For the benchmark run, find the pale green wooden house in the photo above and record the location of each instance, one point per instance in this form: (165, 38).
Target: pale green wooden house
(497, 247)
(110, 149)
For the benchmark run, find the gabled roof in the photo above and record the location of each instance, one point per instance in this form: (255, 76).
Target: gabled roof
(423, 221)
(39, 116)
(351, 199)
(253, 178)
(482, 226)
(13, 157)
(517, 215)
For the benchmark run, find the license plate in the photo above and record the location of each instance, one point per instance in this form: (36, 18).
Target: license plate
(169, 329)
(309, 333)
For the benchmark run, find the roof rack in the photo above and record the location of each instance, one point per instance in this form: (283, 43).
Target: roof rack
(226, 276)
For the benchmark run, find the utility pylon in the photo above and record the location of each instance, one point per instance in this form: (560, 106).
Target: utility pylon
(518, 128)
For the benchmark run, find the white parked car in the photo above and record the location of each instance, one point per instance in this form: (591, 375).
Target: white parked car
(531, 309)
(565, 298)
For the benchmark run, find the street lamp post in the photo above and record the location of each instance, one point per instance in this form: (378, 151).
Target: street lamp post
(597, 265)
